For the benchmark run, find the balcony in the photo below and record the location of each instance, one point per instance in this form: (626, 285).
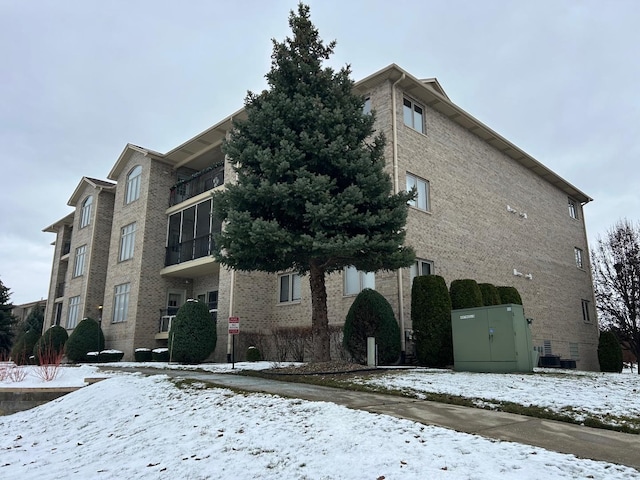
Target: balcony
(190, 250)
(198, 183)
(167, 316)
(60, 290)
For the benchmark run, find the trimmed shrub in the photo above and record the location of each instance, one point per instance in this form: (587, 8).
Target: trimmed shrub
(490, 295)
(609, 353)
(86, 337)
(431, 320)
(509, 295)
(109, 356)
(142, 355)
(253, 354)
(465, 294)
(371, 315)
(193, 336)
(50, 344)
(160, 354)
(23, 347)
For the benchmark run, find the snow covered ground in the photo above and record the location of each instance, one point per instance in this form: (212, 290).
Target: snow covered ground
(132, 426)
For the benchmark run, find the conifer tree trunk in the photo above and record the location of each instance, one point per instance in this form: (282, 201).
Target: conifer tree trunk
(319, 316)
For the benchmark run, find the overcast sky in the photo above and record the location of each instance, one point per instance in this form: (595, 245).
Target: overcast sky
(80, 79)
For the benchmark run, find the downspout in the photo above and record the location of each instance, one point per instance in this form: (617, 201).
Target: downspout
(396, 189)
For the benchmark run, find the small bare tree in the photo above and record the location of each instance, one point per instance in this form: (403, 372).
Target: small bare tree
(616, 275)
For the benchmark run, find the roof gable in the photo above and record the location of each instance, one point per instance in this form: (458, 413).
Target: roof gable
(91, 182)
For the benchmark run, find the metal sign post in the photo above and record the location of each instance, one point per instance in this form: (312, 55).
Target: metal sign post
(234, 329)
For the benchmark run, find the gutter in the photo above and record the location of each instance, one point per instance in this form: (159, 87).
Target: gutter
(396, 189)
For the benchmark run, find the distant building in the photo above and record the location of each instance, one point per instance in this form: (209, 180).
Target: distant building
(21, 312)
(138, 246)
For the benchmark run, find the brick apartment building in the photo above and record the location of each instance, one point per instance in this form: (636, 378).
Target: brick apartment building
(139, 245)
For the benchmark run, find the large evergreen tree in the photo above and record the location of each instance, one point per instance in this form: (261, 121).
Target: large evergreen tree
(312, 194)
(7, 321)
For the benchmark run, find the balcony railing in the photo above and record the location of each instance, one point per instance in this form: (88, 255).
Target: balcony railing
(190, 250)
(60, 290)
(66, 248)
(200, 182)
(165, 323)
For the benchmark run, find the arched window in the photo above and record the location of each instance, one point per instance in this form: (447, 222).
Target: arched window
(85, 212)
(133, 184)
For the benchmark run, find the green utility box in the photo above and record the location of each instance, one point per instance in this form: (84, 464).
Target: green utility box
(492, 339)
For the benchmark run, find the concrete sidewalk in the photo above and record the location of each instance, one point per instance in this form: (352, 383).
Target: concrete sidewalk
(584, 442)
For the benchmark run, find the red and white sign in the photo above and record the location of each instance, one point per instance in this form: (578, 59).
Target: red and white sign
(234, 325)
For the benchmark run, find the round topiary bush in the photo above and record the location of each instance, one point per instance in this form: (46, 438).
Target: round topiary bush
(50, 347)
(371, 315)
(431, 321)
(509, 295)
(86, 337)
(609, 353)
(23, 347)
(142, 355)
(465, 294)
(490, 295)
(193, 336)
(253, 354)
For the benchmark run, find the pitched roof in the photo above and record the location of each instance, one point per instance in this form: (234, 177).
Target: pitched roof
(93, 182)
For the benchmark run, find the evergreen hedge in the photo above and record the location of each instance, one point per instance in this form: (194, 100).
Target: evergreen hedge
(490, 295)
(51, 343)
(609, 353)
(253, 354)
(431, 320)
(23, 347)
(193, 336)
(465, 294)
(160, 354)
(142, 355)
(86, 337)
(371, 315)
(509, 295)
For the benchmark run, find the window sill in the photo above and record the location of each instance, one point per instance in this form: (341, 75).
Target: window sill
(284, 304)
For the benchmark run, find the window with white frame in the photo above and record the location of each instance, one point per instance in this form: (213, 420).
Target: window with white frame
(573, 208)
(355, 280)
(121, 302)
(127, 241)
(74, 312)
(78, 266)
(420, 267)
(422, 192)
(586, 317)
(366, 109)
(133, 184)
(85, 212)
(413, 115)
(578, 255)
(289, 287)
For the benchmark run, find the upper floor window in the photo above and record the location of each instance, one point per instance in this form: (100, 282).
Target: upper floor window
(127, 242)
(413, 115)
(573, 208)
(74, 312)
(420, 267)
(422, 187)
(366, 109)
(133, 184)
(355, 280)
(585, 311)
(190, 233)
(78, 266)
(289, 287)
(85, 212)
(578, 254)
(121, 302)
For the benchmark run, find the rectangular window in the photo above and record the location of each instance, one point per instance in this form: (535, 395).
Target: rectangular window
(74, 312)
(127, 242)
(78, 266)
(413, 115)
(420, 267)
(289, 287)
(121, 302)
(578, 254)
(366, 109)
(585, 311)
(190, 233)
(574, 353)
(422, 188)
(355, 281)
(573, 208)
